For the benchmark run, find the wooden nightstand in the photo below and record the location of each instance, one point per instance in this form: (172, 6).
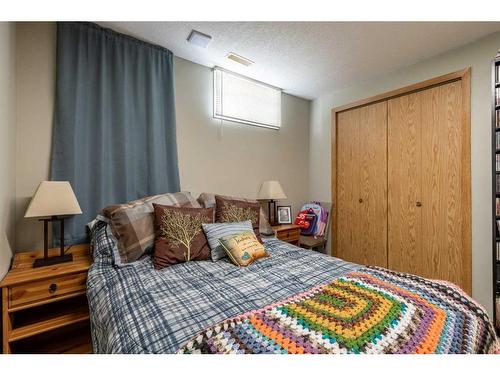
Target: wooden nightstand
(45, 310)
(288, 233)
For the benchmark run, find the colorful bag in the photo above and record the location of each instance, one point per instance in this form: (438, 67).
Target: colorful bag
(320, 219)
(307, 220)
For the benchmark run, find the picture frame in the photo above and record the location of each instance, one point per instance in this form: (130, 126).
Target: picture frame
(284, 214)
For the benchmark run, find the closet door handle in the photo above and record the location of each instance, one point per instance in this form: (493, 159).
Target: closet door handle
(419, 204)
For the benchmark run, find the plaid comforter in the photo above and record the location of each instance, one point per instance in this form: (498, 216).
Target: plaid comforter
(137, 309)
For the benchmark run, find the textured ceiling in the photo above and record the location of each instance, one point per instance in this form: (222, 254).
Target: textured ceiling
(309, 59)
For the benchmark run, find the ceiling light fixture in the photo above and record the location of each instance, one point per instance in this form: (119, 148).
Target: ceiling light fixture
(239, 59)
(199, 39)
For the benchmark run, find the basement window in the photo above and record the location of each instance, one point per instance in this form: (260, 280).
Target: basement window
(246, 101)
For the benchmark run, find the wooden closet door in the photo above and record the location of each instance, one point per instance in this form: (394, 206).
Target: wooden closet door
(429, 184)
(444, 196)
(348, 158)
(373, 184)
(404, 180)
(362, 185)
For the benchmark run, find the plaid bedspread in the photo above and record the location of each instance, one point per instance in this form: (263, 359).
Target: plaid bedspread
(137, 309)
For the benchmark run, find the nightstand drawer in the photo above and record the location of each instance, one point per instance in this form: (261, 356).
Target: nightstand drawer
(288, 235)
(39, 291)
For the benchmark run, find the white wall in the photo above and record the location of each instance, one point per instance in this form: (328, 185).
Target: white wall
(7, 141)
(477, 55)
(233, 160)
(36, 53)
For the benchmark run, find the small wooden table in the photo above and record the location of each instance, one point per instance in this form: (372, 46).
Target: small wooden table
(45, 310)
(288, 233)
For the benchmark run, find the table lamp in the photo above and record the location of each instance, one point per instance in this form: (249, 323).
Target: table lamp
(271, 191)
(53, 200)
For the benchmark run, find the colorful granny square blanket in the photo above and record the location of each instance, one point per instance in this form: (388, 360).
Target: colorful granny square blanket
(368, 311)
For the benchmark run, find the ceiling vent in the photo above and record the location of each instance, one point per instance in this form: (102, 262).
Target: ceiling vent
(239, 59)
(199, 39)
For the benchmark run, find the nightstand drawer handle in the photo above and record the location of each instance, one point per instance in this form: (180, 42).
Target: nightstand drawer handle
(52, 288)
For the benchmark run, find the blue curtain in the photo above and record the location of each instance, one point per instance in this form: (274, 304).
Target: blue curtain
(114, 134)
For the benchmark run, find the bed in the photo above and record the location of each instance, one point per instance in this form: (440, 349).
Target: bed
(216, 307)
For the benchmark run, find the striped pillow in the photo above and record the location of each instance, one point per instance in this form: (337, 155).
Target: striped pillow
(218, 230)
(133, 226)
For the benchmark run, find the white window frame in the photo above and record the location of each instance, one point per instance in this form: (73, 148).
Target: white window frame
(240, 120)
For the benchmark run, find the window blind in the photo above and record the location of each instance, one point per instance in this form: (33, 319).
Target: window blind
(243, 100)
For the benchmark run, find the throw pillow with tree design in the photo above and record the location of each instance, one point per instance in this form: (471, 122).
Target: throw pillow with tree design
(228, 210)
(179, 234)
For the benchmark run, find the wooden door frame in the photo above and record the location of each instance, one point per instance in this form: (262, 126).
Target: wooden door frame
(460, 75)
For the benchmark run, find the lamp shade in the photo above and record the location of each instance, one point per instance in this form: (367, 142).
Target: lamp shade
(271, 190)
(53, 198)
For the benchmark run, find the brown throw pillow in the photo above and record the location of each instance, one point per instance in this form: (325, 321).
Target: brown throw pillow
(132, 223)
(207, 200)
(179, 234)
(235, 210)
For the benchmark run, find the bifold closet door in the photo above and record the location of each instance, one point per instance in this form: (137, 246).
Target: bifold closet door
(429, 185)
(445, 186)
(404, 177)
(373, 184)
(362, 185)
(348, 213)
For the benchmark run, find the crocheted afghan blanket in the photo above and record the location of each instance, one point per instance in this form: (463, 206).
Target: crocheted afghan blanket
(368, 311)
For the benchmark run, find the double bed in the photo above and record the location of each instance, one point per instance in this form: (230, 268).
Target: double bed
(189, 306)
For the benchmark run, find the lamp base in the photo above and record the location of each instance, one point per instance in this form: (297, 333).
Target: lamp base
(49, 261)
(271, 213)
(46, 260)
